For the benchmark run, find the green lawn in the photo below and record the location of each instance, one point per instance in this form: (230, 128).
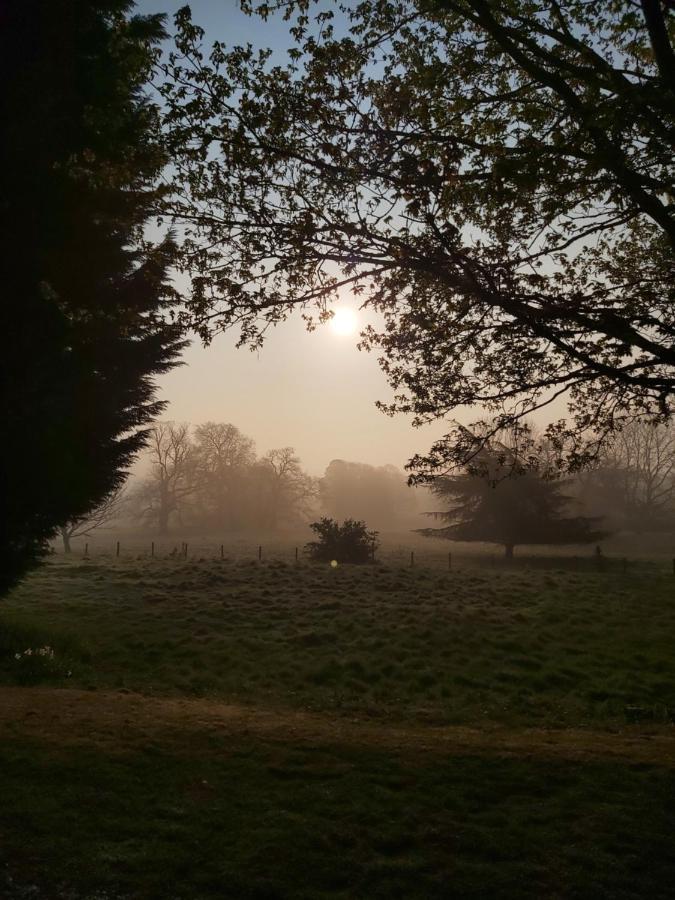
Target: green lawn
(106, 809)
(463, 647)
(217, 818)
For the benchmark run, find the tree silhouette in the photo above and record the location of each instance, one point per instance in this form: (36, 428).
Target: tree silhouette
(87, 297)
(224, 460)
(285, 492)
(497, 183)
(173, 478)
(350, 542)
(109, 510)
(633, 478)
(500, 500)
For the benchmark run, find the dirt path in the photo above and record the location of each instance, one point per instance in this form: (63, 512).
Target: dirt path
(117, 721)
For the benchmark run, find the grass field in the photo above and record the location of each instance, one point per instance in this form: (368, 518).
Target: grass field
(233, 729)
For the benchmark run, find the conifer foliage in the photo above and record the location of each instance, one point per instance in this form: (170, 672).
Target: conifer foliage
(87, 300)
(503, 500)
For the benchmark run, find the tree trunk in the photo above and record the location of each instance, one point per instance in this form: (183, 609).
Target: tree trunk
(66, 540)
(508, 551)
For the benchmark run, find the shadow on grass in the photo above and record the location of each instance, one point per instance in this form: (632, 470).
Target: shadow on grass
(223, 817)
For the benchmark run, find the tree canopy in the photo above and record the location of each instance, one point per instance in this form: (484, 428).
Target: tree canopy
(494, 179)
(350, 542)
(87, 298)
(210, 477)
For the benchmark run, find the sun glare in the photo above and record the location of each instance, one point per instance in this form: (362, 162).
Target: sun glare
(344, 321)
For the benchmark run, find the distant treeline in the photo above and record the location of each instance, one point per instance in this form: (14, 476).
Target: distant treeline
(632, 482)
(210, 476)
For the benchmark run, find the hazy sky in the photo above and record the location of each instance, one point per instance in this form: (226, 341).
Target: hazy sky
(314, 391)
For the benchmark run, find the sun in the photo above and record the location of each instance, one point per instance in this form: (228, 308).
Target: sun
(344, 321)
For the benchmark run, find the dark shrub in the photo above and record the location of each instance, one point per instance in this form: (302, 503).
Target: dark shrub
(350, 542)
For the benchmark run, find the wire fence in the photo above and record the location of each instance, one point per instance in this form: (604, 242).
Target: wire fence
(391, 554)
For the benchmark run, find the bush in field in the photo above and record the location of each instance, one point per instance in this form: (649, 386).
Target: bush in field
(350, 542)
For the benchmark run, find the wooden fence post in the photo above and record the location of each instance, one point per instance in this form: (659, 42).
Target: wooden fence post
(86, 549)
(259, 553)
(152, 549)
(222, 552)
(412, 558)
(185, 551)
(296, 554)
(449, 562)
(117, 551)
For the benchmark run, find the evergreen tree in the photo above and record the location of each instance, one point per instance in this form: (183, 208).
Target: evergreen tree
(500, 500)
(87, 300)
